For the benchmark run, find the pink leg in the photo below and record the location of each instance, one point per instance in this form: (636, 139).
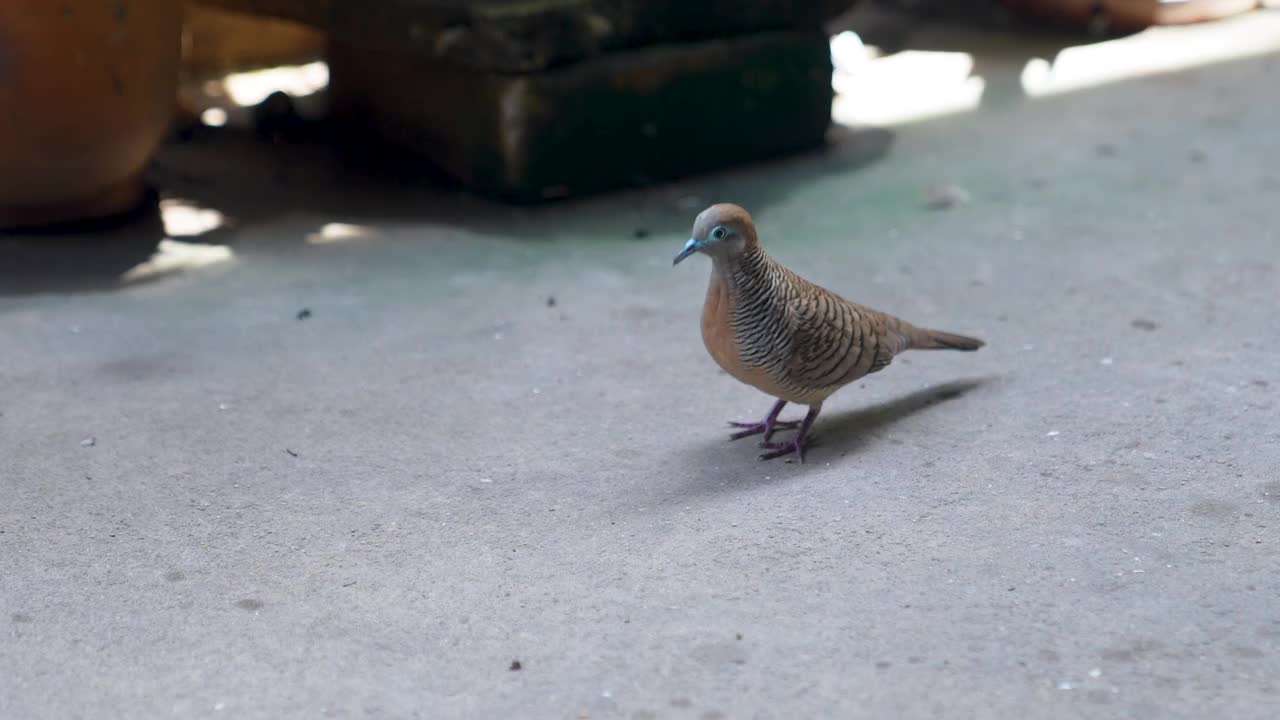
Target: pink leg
(768, 426)
(796, 444)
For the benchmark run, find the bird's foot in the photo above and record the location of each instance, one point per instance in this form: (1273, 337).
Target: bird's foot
(764, 426)
(778, 449)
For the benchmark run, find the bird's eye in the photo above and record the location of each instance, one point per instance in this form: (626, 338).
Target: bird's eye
(718, 233)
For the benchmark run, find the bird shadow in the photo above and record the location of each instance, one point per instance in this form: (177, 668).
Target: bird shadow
(841, 435)
(852, 430)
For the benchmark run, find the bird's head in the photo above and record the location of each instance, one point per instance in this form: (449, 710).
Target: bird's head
(722, 231)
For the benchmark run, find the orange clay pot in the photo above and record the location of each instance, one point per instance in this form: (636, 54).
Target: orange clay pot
(1128, 15)
(87, 91)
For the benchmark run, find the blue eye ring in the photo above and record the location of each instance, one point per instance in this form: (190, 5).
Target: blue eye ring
(719, 233)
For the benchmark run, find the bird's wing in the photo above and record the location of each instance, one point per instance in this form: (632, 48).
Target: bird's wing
(836, 341)
(892, 336)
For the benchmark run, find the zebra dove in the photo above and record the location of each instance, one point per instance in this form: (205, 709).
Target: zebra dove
(776, 331)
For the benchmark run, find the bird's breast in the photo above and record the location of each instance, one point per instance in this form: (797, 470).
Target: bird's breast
(717, 333)
(723, 345)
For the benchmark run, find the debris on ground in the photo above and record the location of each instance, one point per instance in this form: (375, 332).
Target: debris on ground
(942, 196)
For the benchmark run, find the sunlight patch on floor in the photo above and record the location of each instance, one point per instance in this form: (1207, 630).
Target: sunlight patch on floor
(228, 100)
(1158, 50)
(904, 86)
(873, 88)
(339, 232)
(175, 256)
(184, 219)
(250, 88)
(214, 117)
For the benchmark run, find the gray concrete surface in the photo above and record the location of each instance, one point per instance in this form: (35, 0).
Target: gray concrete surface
(1079, 521)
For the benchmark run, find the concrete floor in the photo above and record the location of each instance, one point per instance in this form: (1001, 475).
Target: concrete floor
(214, 509)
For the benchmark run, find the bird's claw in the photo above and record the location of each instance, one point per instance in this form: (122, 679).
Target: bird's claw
(780, 424)
(755, 428)
(778, 449)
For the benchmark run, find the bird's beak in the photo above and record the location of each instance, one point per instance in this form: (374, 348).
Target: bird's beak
(690, 248)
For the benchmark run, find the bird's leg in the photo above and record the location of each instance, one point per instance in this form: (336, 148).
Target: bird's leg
(766, 426)
(795, 444)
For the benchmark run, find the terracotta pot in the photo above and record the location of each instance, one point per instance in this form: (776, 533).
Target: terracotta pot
(87, 91)
(1127, 15)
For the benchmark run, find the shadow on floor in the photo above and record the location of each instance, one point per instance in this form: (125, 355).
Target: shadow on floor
(80, 259)
(252, 182)
(849, 432)
(835, 436)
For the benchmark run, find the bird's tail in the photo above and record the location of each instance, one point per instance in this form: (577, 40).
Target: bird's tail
(925, 339)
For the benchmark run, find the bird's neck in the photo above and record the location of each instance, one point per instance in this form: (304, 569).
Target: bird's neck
(745, 272)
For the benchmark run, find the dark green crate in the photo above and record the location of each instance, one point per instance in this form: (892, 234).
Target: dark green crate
(625, 118)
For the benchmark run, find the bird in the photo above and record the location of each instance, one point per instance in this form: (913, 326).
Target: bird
(789, 338)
